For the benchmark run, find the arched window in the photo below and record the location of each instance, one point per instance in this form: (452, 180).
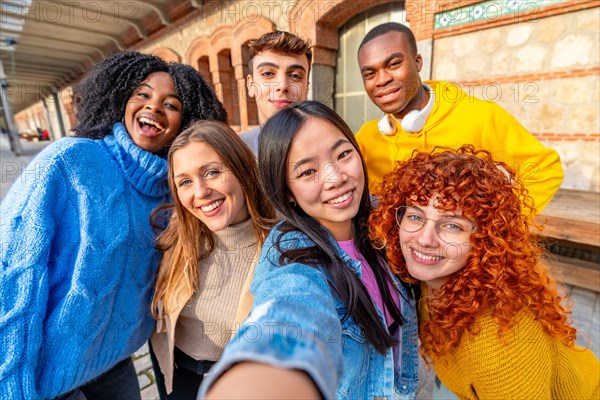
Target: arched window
(229, 87)
(250, 101)
(204, 68)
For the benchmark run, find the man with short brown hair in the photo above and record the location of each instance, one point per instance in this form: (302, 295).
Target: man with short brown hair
(279, 68)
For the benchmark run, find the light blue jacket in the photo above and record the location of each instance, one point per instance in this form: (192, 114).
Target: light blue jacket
(297, 322)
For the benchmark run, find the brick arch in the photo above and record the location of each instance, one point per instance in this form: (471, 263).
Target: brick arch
(199, 56)
(221, 68)
(226, 51)
(167, 54)
(200, 47)
(243, 31)
(319, 22)
(221, 39)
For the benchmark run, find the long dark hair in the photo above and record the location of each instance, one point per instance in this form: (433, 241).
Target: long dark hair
(101, 96)
(274, 145)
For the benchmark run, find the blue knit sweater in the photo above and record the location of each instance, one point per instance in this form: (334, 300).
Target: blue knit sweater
(78, 263)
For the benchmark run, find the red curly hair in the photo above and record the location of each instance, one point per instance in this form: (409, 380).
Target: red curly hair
(503, 274)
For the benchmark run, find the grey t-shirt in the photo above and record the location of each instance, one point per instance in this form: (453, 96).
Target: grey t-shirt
(251, 139)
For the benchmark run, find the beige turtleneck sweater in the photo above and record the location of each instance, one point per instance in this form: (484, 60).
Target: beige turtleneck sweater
(205, 324)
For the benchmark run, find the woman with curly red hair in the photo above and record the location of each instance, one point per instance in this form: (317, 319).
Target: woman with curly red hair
(491, 318)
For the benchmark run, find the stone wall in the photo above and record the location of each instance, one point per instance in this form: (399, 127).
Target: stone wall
(546, 73)
(214, 42)
(247, 12)
(543, 67)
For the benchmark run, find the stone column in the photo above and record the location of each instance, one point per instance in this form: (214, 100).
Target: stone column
(242, 97)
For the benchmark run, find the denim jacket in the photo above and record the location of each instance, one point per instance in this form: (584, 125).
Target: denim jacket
(297, 322)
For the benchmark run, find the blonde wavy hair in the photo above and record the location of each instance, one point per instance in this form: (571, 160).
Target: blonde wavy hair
(186, 240)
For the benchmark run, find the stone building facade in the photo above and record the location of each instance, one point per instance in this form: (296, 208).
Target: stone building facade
(539, 59)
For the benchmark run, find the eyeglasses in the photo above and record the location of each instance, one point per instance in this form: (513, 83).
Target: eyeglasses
(451, 229)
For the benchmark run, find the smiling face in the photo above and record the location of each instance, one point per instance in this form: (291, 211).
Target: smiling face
(325, 176)
(153, 112)
(277, 81)
(390, 72)
(428, 257)
(206, 188)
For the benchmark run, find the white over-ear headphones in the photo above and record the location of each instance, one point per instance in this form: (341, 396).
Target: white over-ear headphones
(412, 122)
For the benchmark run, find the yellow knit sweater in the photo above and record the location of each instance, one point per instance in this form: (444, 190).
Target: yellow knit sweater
(528, 365)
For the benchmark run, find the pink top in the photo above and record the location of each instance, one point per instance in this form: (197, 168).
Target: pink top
(368, 278)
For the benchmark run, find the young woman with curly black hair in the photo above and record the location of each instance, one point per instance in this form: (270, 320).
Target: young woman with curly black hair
(78, 256)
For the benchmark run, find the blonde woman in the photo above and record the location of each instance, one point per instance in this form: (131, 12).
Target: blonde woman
(219, 219)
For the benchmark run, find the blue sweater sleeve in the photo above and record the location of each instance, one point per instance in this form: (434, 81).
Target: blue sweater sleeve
(26, 229)
(293, 324)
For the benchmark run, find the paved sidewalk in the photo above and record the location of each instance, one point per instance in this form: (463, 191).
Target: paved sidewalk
(11, 166)
(143, 366)
(586, 309)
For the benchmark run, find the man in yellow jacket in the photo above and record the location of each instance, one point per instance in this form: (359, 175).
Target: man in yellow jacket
(422, 115)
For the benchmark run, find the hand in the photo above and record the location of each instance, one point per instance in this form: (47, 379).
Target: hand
(250, 380)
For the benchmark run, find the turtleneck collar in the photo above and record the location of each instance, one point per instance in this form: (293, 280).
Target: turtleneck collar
(147, 172)
(236, 237)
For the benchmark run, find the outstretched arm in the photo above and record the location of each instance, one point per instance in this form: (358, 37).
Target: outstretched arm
(293, 333)
(250, 381)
